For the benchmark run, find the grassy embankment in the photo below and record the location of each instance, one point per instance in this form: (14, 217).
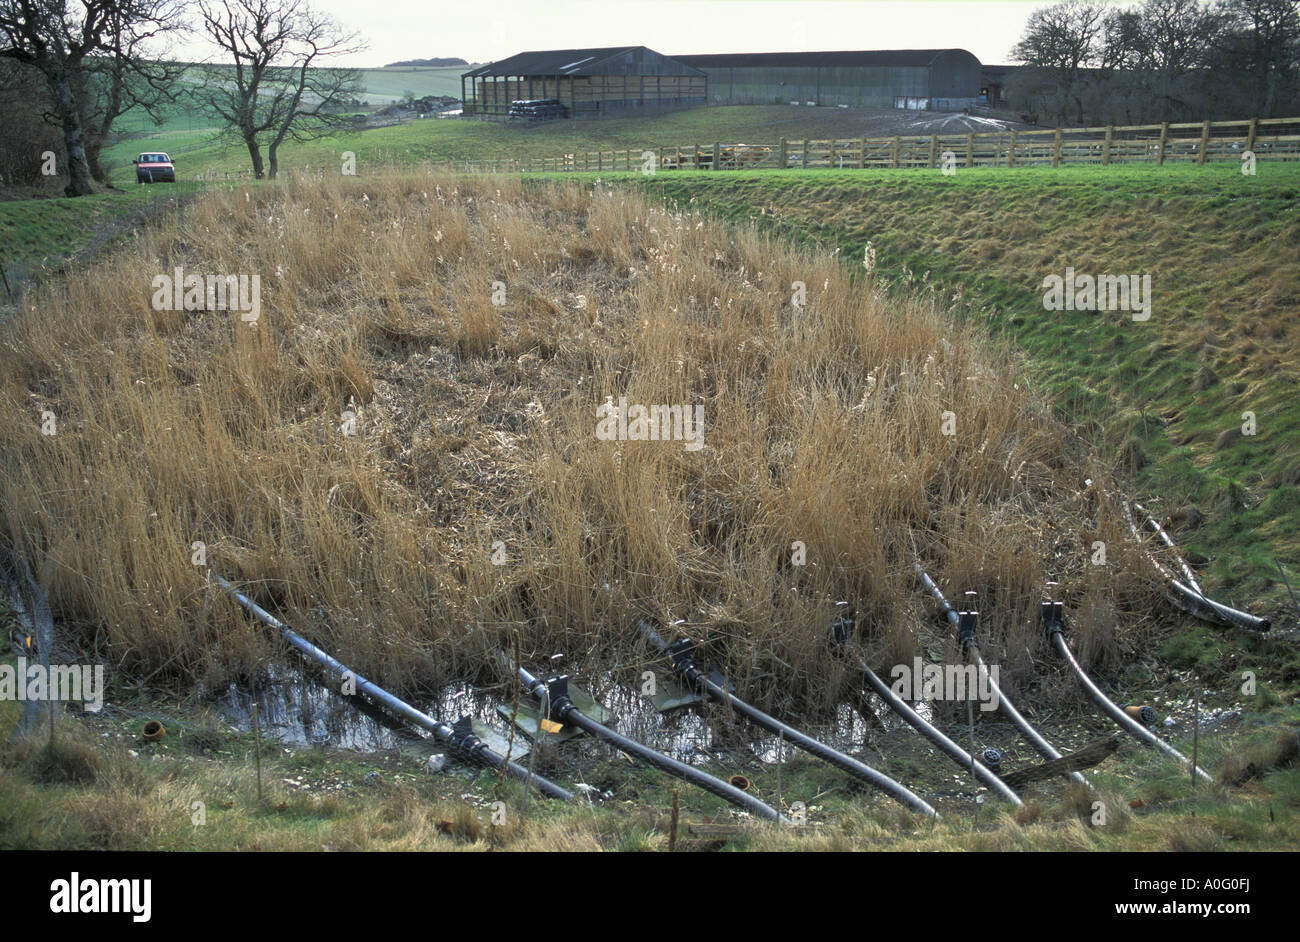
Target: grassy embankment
(1164, 397)
(1199, 649)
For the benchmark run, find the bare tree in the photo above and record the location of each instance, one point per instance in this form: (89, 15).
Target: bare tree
(1067, 39)
(65, 40)
(131, 75)
(27, 134)
(278, 90)
(1261, 44)
(1155, 59)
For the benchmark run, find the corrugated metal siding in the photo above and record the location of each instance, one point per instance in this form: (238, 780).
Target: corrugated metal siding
(866, 79)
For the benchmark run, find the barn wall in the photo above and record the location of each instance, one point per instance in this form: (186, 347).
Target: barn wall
(870, 86)
(951, 81)
(957, 75)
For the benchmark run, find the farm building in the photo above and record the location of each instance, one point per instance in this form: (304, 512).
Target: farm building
(918, 79)
(993, 87)
(589, 82)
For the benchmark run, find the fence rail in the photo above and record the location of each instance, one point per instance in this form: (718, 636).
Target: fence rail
(1197, 142)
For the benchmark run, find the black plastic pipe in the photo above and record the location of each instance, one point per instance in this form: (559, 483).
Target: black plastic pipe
(682, 663)
(936, 736)
(1054, 623)
(1187, 594)
(1169, 542)
(844, 644)
(554, 698)
(460, 737)
(1044, 747)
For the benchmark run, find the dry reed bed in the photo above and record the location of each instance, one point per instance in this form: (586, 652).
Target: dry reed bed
(475, 423)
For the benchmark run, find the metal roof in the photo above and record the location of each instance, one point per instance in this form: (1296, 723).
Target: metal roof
(568, 62)
(918, 58)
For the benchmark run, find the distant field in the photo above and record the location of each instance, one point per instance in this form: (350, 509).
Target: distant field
(382, 87)
(385, 86)
(442, 140)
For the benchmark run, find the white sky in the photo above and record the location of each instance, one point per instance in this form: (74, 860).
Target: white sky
(484, 30)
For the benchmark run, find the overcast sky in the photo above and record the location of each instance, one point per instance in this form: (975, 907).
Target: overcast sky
(485, 30)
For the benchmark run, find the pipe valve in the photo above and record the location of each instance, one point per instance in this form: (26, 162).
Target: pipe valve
(967, 622)
(1053, 616)
(557, 698)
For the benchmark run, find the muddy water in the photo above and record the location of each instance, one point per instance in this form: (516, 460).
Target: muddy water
(296, 709)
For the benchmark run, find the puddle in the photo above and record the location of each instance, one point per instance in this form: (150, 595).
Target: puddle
(296, 709)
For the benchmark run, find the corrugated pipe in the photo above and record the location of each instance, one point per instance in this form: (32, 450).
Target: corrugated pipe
(682, 663)
(460, 737)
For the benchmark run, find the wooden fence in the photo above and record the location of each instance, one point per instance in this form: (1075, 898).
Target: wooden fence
(1198, 142)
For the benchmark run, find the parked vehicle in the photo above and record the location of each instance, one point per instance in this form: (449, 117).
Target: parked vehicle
(154, 168)
(538, 109)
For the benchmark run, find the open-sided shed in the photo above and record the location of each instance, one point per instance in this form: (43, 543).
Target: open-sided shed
(589, 82)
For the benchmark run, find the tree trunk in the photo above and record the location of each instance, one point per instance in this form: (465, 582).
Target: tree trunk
(254, 153)
(273, 160)
(1270, 93)
(92, 160)
(70, 118)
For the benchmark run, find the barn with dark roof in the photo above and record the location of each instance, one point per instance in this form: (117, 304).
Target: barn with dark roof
(921, 79)
(589, 82)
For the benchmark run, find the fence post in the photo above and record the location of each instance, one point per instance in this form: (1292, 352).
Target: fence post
(1164, 142)
(1105, 147)
(717, 156)
(1011, 151)
(1056, 149)
(785, 148)
(862, 154)
(934, 145)
(804, 162)
(895, 160)
(1205, 142)
(830, 155)
(1250, 133)
(970, 150)
(696, 165)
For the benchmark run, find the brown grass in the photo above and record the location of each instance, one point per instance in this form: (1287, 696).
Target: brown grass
(475, 423)
(1280, 749)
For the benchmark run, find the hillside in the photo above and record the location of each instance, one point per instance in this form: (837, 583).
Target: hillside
(1164, 397)
(357, 457)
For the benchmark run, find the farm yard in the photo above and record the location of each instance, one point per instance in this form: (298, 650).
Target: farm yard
(455, 405)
